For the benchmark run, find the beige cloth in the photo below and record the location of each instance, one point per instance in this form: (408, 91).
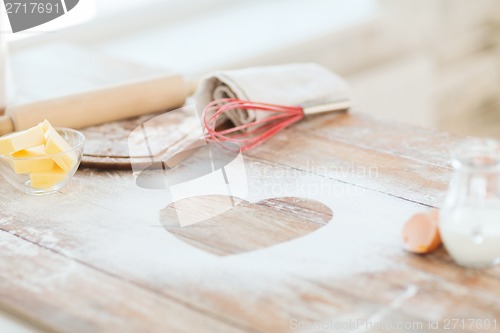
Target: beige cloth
(290, 84)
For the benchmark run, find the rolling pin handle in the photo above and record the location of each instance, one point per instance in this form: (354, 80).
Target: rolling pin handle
(6, 125)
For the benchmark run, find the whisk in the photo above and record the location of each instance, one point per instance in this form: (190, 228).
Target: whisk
(253, 133)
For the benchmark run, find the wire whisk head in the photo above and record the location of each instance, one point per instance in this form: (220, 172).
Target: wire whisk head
(253, 133)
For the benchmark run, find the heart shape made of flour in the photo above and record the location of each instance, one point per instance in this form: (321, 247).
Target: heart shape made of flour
(247, 226)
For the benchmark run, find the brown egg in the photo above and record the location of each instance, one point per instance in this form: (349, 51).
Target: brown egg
(421, 233)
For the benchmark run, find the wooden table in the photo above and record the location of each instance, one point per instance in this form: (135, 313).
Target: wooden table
(317, 243)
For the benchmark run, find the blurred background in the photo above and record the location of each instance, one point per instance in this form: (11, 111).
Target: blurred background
(434, 63)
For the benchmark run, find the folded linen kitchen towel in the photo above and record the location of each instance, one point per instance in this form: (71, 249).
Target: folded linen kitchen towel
(290, 84)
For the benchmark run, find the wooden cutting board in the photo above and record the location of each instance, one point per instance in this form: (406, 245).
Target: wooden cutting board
(107, 145)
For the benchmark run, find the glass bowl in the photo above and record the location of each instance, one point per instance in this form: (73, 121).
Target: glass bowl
(22, 181)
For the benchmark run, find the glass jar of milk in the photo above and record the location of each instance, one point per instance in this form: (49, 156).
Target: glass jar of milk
(470, 218)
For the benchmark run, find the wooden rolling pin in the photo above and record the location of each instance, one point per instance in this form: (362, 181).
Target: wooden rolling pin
(101, 106)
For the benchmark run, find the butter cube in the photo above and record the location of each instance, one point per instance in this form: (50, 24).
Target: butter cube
(22, 140)
(31, 160)
(47, 179)
(56, 144)
(45, 125)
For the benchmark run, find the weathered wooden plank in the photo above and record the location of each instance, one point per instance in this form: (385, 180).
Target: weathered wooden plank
(366, 153)
(353, 267)
(134, 248)
(382, 135)
(241, 288)
(63, 295)
(315, 303)
(386, 173)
